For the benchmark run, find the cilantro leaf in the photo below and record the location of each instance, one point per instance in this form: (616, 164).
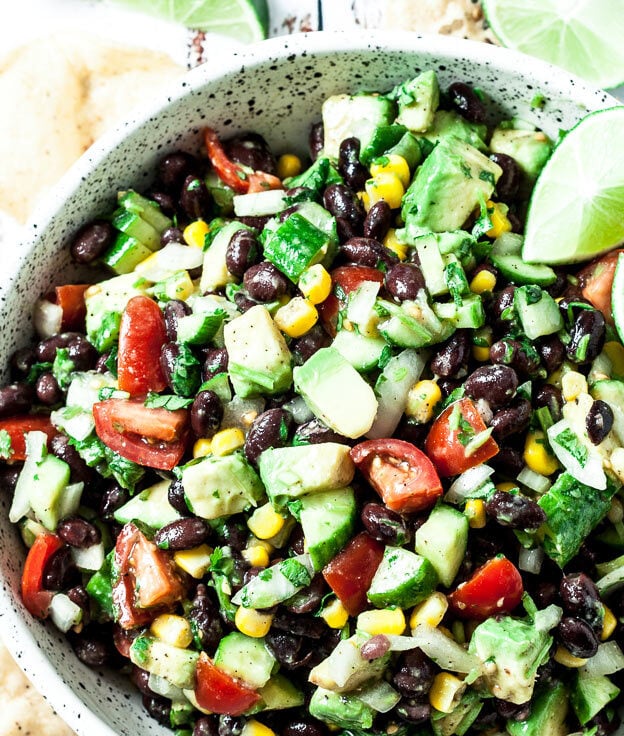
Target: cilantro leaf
(6, 449)
(63, 367)
(166, 401)
(295, 572)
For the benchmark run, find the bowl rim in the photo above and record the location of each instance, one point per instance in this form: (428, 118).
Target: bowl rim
(18, 638)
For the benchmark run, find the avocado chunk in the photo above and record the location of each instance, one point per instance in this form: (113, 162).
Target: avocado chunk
(530, 148)
(175, 664)
(276, 584)
(291, 472)
(215, 274)
(151, 507)
(461, 718)
(451, 182)
(418, 100)
(548, 712)
(612, 392)
(336, 393)
(220, 486)
(539, 313)
(590, 694)
(328, 521)
(447, 123)
(246, 658)
(345, 669)
(402, 579)
(259, 359)
(442, 540)
(340, 709)
(346, 116)
(279, 693)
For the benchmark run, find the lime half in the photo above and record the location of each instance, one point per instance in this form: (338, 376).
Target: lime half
(583, 36)
(244, 20)
(576, 206)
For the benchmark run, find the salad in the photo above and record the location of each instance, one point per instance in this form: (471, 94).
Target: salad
(316, 451)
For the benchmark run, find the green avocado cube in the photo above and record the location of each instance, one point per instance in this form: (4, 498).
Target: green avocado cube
(402, 579)
(341, 709)
(447, 123)
(418, 100)
(548, 712)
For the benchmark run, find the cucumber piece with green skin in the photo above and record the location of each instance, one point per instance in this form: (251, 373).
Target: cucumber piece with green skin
(590, 694)
(279, 693)
(340, 709)
(403, 579)
(443, 540)
(361, 351)
(147, 209)
(463, 716)
(538, 312)
(199, 328)
(220, 384)
(612, 392)
(46, 487)
(295, 245)
(409, 149)
(125, 254)
(136, 227)
(173, 663)
(151, 507)
(383, 138)
(401, 328)
(548, 712)
(328, 521)
(182, 713)
(246, 658)
(100, 588)
(518, 271)
(469, 314)
(276, 584)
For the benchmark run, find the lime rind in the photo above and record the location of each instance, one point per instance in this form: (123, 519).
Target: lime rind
(617, 297)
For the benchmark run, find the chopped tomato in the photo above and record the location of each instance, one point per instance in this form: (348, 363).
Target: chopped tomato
(142, 335)
(260, 181)
(152, 437)
(147, 582)
(36, 599)
(351, 572)
(17, 427)
(401, 474)
(596, 281)
(495, 587)
(70, 298)
(448, 441)
(218, 692)
(345, 279)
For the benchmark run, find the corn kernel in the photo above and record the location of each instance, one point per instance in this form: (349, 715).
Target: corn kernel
(386, 187)
(195, 561)
(392, 164)
(335, 614)
(506, 486)
(536, 455)
(179, 286)
(255, 728)
(573, 384)
(383, 621)
(422, 400)
(498, 216)
(288, 165)
(265, 522)
(173, 630)
(257, 553)
(615, 353)
(445, 692)
(481, 354)
(253, 623)
(431, 611)
(227, 441)
(475, 511)
(483, 282)
(296, 317)
(202, 447)
(609, 622)
(567, 659)
(315, 283)
(364, 199)
(395, 245)
(195, 233)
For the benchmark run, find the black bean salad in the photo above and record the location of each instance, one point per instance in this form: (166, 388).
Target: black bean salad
(321, 453)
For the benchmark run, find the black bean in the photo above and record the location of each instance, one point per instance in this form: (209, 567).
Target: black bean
(413, 712)
(101, 363)
(560, 284)
(47, 389)
(308, 599)
(78, 532)
(300, 727)
(46, 349)
(513, 353)
(159, 708)
(91, 651)
(269, 429)
(375, 647)
(169, 354)
(341, 201)
(182, 534)
(250, 149)
(466, 101)
(545, 593)
(9, 475)
(572, 304)
(509, 461)
(92, 240)
(495, 383)
(235, 532)
(385, 525)
(166, 202)
(316, 140)
(552, 352)
(80, 597)
(82, 354)
(605, 722)
(368, 252)
(452, 355)
(215, 362)
(174, 168)
(176, 498)
(415, 674)
(587, 336)
(404, 281)
(23, 360)
(305, 346)
(577, 636)
(172, 235)
(512, 419)
(345, 230)
(581, 598)
(315, 432)
(206, 414)
(242, 251)
(512, 711)
(140, 679)
(264, 282)
(509, 182)
(59, 571)
(194, 198)
(206, 726)
(15, 399)
(378, 221)
(352, 171)
(204, 615)
(599, 421)
(515, 511)
(231, 726)
(309, 627)
(243, 302)
(113, 498)
(288, 649)
(173, 312)
(501, 302)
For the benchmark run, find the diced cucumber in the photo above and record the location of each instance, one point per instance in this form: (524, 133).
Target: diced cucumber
(442, 540)
(518, 271)
(538, 312)
(151, 507)
(295, 245)
(409, 149)
(345, 669)
(461, 718)
(591, 694)
(276, 584)
(173, 663)
(246, 658)
(401, 328)
(279, 693)
(508, 244)
(220, 384)
(469, 314)
(382, 139)
(222, 195)
(36, 450)
(146, 208)
(402, 579)
(125, 254)
(199, 328)
(362, 352)
(258, 204)
(136, 227)
(100, 588)
(47, 486)
(548, 711)
(328, 521)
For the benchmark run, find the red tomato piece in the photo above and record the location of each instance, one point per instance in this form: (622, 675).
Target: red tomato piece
(36, 599)
(596, 281)
(142, 335)
(401, 474)
(351, 571)
(155, 438)
(218, 692)
(345, 279)
(17, 427)
(446, 442)
(147, 582)
(70, 298)
(123, 639)
(228, 171)
(495, 587)
(260, 181)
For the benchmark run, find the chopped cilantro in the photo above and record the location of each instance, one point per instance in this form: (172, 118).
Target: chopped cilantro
(166, 401)
(63, 367)
(5, 445)
(295, 572)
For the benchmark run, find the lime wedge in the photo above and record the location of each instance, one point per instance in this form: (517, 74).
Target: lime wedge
(617, 297)
(244, 20)
(582, 36)
(576, 207)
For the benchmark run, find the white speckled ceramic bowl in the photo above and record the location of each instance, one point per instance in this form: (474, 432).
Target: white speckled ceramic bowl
(275, 88)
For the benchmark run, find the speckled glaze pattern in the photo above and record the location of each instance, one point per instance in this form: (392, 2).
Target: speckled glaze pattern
(275, 88)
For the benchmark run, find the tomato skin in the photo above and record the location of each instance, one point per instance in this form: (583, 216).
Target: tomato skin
(444, 448)
(220, 693)
(596, 281)
(351, 571)
(227, 170)
(142, 335)
(36, 599)
(70, 298)
(495, 587)
(347, 278)
(401, 474)
(155, 438)
(17, 428)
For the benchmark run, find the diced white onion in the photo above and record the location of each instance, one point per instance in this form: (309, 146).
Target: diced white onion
(47, 318)
(362, 302)
(607, 660)
(166, 261)
(591, 473)
(241, 412)
(89, 559)
(258, 204)
(64, 612)
(36, 443)
(530, 560)
(299, 410)
(74, 422)
(381, 696)
(468, 482)
(445, 652)
(534, 481)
